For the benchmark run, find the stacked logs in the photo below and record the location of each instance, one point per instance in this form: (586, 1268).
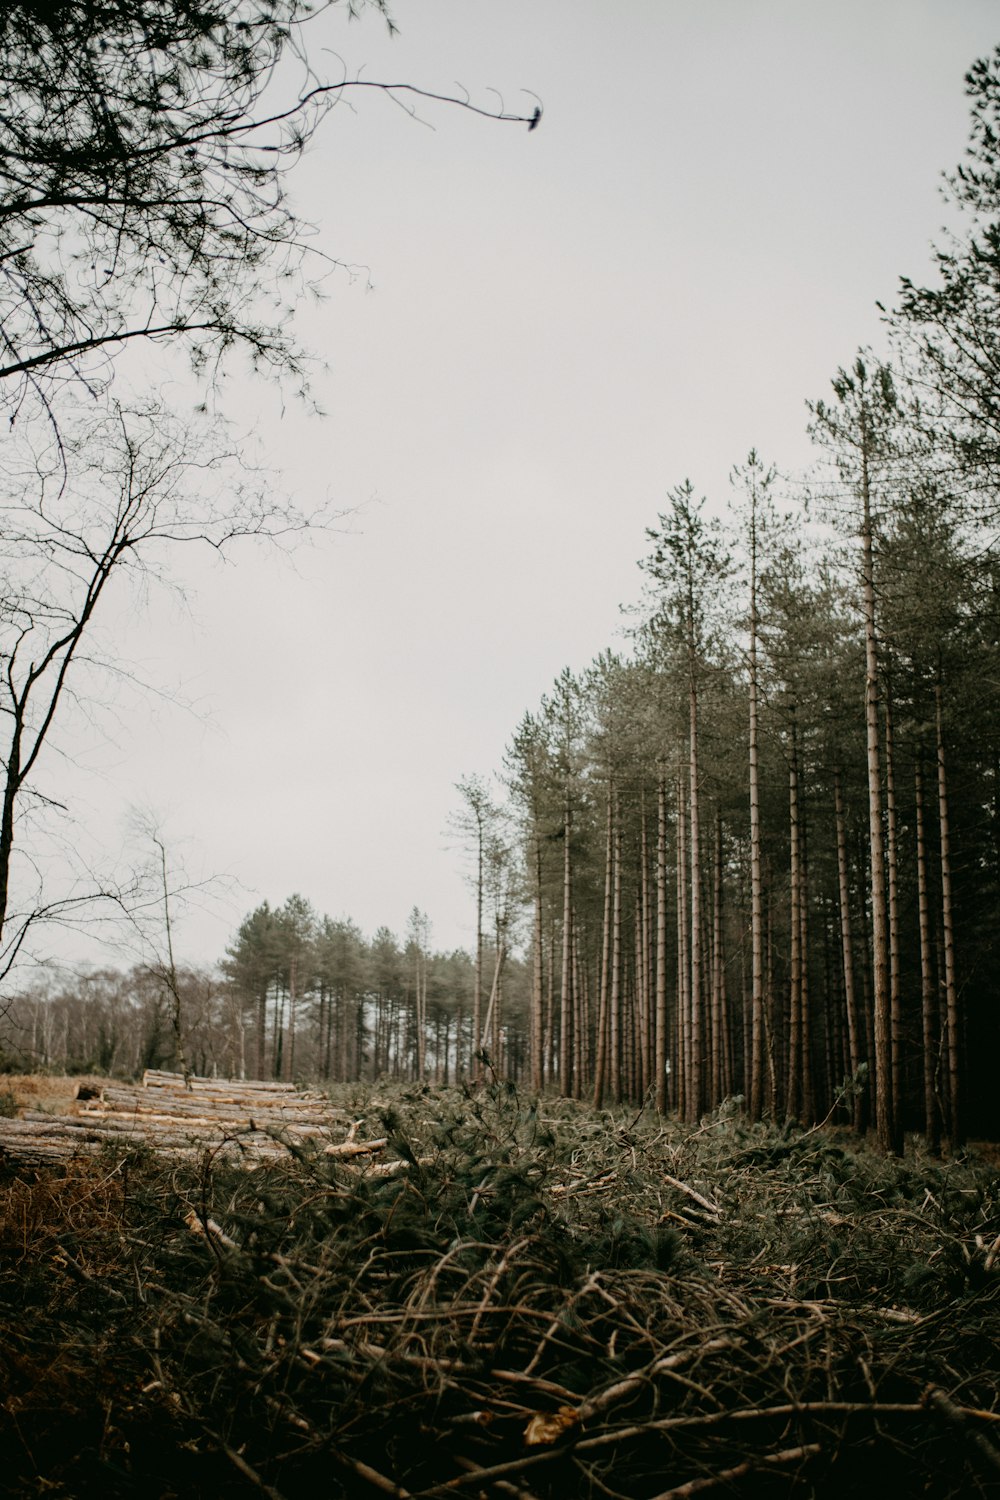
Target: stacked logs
(184, 1117)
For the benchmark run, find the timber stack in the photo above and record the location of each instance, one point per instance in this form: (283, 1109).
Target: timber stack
(182, 1117)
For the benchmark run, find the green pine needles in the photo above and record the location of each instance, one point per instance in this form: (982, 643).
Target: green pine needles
(519, 1296)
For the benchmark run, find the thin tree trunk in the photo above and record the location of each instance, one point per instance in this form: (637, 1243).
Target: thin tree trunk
(292, 997)
(566, 988)
(550, 1005)
(537, 984)
(795, 964)
(278, 1050)
(643, 963)
(882, 1017)
(475, 1065)
(956, 1123)
(771, 1019)
(895, 1004)
(928, 1000)
(615, 1016)
(718, 1049)
(683, 963)
(697, 1080)
(805, 1015)
(170, 971)
(497, 1037)
(661, 946)
(261, 1030)
(601, 1040)
(854, 1025)
(756, 876)
(580, 1019)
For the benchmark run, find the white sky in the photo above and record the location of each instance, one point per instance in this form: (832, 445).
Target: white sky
(562, 326)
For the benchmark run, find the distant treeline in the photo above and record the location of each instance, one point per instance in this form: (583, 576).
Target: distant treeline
(296, 996)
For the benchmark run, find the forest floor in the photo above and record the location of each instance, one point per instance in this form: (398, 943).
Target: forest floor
(512, 1298)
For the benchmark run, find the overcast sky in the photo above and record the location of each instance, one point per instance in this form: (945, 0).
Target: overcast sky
(546, 332)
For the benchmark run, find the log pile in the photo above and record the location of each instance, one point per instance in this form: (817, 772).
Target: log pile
(241, 1118)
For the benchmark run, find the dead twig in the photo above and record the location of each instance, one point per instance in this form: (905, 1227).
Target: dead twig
(943, 1406)
(693, 1194)
(739, 1471)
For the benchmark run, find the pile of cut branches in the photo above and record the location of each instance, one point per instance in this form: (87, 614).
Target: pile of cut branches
(527, 1299)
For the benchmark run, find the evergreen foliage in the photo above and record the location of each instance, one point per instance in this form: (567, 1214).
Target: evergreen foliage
(537, 1294)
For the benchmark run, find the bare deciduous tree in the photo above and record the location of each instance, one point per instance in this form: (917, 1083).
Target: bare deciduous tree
(99, 506)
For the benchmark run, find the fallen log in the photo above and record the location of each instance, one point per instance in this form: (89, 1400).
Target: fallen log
(250, 1119)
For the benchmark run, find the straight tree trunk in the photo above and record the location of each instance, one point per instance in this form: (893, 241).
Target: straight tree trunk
(566, 988)
(475, 1066)
(882, 1013)
(683, 963)
(278, 1049)
(956, 1123)
(718, 1048)
(661, 946)
(615, 1016)
(928, 999)
(793, 1101)
(550, 1005)
(697, 1079)
(497, 1037)
(581, 1020)
(854, 1026)
(601, 1040)
(805, 1022)
(895, 1002)
(643, 957)
(756, 876)
(261, 1030)
(420, 1012)
(770, 1019)
(537, 983)
(292, 998)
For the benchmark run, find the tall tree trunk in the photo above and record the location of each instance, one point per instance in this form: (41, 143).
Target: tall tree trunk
(683, 1050)
(566, 989)
(292, 998)
(615, 1004)
(854, 1023)
(661, 946)
(277, 1052)
(805, 1022)
(537, 983)
(756, 874)
(550, 1005)
(928, 999)
(718, 1048)
(421, 1012)
(643, 963)
(895, 1002)
(956, 1123)
(581, 1020)
(475, 1065)
(497, 1036)
(882, 1015)
(261, 1030)
(773, 1101)
(697, 1081)
(793, 1102)
(601, 1039)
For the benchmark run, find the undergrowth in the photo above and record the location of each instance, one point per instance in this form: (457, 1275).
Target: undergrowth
(535, 1299)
